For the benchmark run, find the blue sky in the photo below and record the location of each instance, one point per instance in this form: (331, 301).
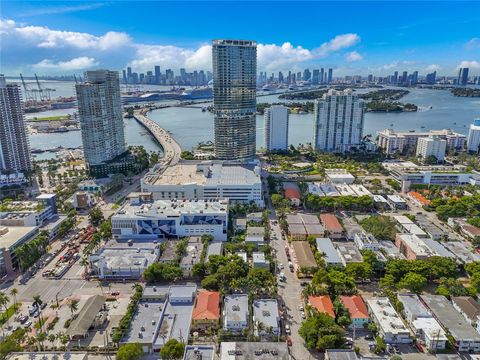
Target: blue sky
(63, 37)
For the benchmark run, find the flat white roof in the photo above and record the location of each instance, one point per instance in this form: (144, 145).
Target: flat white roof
(387, 317)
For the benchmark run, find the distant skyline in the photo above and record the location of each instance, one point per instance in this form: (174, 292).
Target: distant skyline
(66, 37)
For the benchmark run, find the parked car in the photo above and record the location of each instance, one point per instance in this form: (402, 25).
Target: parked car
(303, 315)
(27, 324)
(287, 329)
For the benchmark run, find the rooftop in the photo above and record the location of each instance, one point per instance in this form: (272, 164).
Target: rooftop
(10, 235)
(205, 173)
(386, 316)
(309, 219)
(355, 306)
(462, 251)
(199, 352)
(431, 328)
(136, 257)
(172, 208)
(207, 306)
(265, 311)
(297, 229)
(215, 248)
(414, 306)
(325, 246)
(468, 305)
(304, 254)
(48, 356)
(340, 354)
(349, 252)
(254, 350)
(235, 307)
(331, 222)
(323, 304)
(450, 318)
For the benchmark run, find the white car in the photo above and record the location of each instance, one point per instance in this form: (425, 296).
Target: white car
(281, 266)
(303, 315)
(287, 329)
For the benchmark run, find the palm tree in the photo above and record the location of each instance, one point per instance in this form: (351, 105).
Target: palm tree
(14, 293)
(37, 302)
(40, 339)
(4, 303)
(73, 306)
(84, 262)
(52, 338)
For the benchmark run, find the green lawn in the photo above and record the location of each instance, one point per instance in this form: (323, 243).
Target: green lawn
(50, 118)
(5, 315)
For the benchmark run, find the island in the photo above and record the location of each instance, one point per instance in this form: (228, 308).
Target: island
(465, 92)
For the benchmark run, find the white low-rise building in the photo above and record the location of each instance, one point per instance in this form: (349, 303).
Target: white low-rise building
(266, 318)
(339, 176)
(390, 326)
(144, 219)
(429, 331)
(206, 180)
(235, 312)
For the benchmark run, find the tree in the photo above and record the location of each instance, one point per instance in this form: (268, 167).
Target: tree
(173, 349)
(14, 293)
(359, 271)
(52, 338)
(413, 282)
(320, 332)
(131, 351)
(37, 302)
(162, 272)
(73, 306)
(95, 216)
(277, 200)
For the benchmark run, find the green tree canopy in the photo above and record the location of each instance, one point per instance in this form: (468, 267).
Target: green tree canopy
(320, 332)
(131, 351)
(172, 350)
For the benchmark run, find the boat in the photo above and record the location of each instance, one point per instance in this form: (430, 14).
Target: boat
(204, 92)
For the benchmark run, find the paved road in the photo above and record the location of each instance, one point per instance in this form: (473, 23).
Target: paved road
(171, 149)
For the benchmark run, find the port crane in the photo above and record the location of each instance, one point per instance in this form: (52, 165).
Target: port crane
(44, 94)
(29, 95)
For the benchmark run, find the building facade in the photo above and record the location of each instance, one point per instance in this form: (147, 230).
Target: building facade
(473, 142)
(14, 144)
(144, 219)
(276, 128)
(431, 146)
(101, 121)
(234, 98)
(339, 119)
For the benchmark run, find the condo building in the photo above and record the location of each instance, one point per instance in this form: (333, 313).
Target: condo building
(473, 142)
(101, 121)
(276, 128)
(338, 121)
(14, 144)
(431, 146)
(234, 98)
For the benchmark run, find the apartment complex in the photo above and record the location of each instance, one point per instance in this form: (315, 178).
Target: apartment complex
(276, 127)
(432, 146)
(473, 142)
(339, 118)
(392, 141)
(14, 144)
(101, 121)
(234, 98)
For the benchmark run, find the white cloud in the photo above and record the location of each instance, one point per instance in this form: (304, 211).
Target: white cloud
(473, 43)
(40, 45)
(61, 9)
(79, 63)
(433, 67)
(339, 42)
(473, 65)
(44, 37)
(353, 56)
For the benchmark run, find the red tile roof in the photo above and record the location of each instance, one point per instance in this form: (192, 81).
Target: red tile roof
(207, 306)
(323, 304)
(355, 306)
(331, 222)
(292, 193)
(419, 197)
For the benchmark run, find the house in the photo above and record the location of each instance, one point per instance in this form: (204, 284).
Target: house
(266, 318)
(467, 339)
(357, 310)
(468, 307)
(259, 261)
(255, 217)
(292, 193)
(235, 312)
(206, 313)
(389, 323)
(419, 199)
(92, 314)
(322, 304)
(255, 235)
(329, 252)
(304, 256)
(240, 224)
(332, 226)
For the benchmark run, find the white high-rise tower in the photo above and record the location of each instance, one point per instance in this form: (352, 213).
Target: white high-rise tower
(101, 121)
(338, 121)
(276, 128)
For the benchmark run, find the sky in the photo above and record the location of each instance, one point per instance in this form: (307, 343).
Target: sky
(353, 37)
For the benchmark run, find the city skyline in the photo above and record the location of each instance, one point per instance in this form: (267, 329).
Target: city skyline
(96, 38)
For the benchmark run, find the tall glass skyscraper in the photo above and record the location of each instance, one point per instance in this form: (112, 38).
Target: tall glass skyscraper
(234, 98)
(101, 121)
(14, 145)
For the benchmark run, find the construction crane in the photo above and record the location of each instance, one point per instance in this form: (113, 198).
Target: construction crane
(43, 93)
(29, 96)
